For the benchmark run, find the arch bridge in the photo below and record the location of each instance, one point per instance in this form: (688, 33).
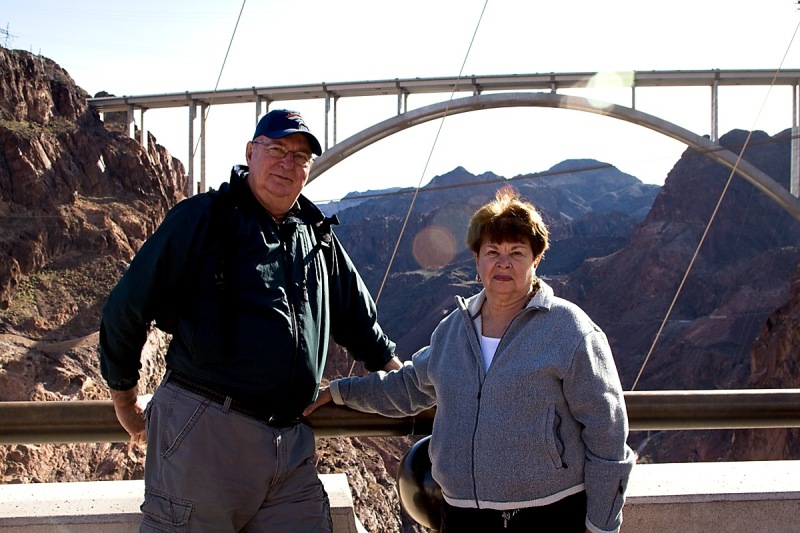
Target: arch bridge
(487, 92)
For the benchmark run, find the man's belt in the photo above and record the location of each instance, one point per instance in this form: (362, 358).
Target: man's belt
(271, 419)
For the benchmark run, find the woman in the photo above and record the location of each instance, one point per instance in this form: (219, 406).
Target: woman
(530, 423)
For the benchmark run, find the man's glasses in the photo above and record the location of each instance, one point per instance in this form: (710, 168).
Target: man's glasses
(277, 151)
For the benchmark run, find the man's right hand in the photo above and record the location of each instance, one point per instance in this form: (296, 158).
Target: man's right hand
(130, 412)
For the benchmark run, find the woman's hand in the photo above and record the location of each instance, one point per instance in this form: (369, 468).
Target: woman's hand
(323, 398)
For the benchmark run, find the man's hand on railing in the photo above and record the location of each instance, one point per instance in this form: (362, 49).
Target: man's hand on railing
(323, 398)
(129, 409)
(393, 364)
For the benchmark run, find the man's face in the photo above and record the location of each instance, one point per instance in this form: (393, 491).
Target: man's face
(276, 181)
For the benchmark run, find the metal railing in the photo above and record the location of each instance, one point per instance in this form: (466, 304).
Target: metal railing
(95, 421)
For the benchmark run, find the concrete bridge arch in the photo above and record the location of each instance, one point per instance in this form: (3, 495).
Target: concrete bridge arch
(381, 130)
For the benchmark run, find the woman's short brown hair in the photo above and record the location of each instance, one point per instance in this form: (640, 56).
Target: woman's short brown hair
(508, 218)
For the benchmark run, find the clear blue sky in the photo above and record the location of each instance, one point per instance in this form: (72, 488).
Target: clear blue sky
(150, 47)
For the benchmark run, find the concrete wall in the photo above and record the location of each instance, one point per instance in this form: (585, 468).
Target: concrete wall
(752, 496)
(104, 506)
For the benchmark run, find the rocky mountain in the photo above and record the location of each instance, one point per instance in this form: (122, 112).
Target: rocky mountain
(774, 365)
(741, 274)
(78, 198)
(432, 264)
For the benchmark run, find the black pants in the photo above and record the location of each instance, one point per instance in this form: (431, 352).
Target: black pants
(564, 516)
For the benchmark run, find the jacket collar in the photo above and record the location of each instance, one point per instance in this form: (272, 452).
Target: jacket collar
(542, 300)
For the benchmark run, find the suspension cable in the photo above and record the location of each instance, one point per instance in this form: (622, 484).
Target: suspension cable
(219, 77)
(425, 168)
(430, 155)
(714, 213)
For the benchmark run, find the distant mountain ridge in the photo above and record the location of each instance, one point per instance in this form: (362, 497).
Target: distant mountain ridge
(432, 263)
(352, 199)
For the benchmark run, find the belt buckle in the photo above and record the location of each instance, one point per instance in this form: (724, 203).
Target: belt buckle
(281, 422)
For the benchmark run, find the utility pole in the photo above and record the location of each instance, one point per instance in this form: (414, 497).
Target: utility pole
(6, 36)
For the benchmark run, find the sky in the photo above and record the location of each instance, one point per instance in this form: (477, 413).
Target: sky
(149, 47)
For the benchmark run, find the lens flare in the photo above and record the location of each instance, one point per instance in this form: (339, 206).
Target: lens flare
(608, 83)
(434, 247)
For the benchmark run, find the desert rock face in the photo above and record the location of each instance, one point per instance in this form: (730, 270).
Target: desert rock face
(78, 198)
(774, 365)
(69, 185)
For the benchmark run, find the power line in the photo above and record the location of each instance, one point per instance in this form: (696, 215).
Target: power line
(430, 155)
(219, 77)
(6, 36)
(427, 162)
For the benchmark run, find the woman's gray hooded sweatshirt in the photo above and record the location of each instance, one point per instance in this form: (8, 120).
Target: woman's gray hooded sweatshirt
(547, 419)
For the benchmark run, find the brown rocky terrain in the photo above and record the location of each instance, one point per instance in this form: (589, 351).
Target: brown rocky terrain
(774, 365)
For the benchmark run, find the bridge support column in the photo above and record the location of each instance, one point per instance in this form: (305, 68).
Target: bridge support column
(715, 110)
(192, 117)
(194, 147)
(335, 117)
(794, 184)
(261, 101)
(330, 96)
(203, 108)
(143, 130)
(131, 122)
(327, 118)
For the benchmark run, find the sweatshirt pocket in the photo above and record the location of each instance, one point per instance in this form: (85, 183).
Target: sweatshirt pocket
(555, 445)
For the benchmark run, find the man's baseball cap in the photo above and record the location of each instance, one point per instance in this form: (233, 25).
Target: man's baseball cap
(279, 123)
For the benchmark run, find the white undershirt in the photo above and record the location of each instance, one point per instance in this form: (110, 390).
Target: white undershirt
(488, 348)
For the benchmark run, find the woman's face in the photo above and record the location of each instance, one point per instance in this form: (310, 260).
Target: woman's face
(507, 269)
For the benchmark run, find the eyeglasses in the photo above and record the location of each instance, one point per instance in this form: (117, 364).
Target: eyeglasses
(277, 151)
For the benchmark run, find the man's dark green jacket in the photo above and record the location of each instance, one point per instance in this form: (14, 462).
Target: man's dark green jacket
(251, 302)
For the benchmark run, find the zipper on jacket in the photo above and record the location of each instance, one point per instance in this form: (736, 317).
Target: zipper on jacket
(292, 308)
(507, 516)
(497, 351)
(477, 416)
(474, 433)
(620, 491)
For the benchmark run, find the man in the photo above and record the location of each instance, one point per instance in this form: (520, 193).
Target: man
(250, 281)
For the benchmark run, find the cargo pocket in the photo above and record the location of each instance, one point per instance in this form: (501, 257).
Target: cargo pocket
(165, 514)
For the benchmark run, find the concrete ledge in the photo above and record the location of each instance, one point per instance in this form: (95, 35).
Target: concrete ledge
(751, 496)
(103, 506)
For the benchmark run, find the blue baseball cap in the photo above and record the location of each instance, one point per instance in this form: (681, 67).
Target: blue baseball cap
(282, 122)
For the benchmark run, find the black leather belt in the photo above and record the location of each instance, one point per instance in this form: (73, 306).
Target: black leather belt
(273, 420)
